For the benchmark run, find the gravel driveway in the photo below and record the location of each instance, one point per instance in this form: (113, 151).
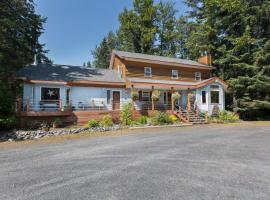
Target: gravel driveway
(200, 162)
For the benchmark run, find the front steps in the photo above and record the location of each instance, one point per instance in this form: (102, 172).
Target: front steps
(189, 116)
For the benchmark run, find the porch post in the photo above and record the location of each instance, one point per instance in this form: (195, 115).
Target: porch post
(19, 109)
(188, 103)
(132, 90)
(172, 101)
(153, 105)
(60, 104)
(28, 104)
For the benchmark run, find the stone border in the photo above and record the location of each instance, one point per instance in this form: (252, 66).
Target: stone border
(160, 126)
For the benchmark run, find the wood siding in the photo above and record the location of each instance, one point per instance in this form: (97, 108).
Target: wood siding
(159, 72)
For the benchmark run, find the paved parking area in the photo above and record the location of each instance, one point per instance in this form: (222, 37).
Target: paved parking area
(200, 162)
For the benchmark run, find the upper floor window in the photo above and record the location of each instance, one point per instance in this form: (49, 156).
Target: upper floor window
(148, 72)
(198, 76)
(174, 74)
(120, 70)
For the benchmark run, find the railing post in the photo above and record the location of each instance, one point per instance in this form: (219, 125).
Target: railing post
(206, 117)
(19, 109)
(60, 104)
(27, 104)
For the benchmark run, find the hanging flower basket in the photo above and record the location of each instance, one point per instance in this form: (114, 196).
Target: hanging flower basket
(155, 95)
(134, 95)
(176, 96)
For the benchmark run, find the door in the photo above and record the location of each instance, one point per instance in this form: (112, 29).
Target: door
(116, 100)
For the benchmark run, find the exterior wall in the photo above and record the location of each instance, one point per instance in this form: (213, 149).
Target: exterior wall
(208, 106)
(161, 72)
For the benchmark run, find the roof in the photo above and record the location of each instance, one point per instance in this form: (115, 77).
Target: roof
(146, 57)
(198, 84)
(52, 72)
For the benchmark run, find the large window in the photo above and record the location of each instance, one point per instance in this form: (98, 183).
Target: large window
(203, 97)
(145, 96)
(148, 72)
(174, 74)
(108, 96)
(198, 76)
(50, 93)
(215, 97)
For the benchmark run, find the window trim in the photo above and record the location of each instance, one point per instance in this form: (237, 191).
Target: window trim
(198, 74)
(177, 74)
(150, 71)
(41, 99)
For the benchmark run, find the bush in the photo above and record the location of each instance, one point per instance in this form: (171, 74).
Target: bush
(173, 118)
(57, 122)
(161, 118)
(106, 121)
(142, 120)
(8, 123)
(92, 123)
(227, 116)
(126, 115)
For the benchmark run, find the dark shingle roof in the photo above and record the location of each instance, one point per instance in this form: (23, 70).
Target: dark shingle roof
(123, 54)
(48, 72)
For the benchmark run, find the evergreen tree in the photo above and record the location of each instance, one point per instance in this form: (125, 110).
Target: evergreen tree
(88, 64)
(102, 53)
(19, 33)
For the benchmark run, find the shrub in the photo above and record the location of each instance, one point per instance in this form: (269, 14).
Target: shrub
(161, 118)
(106, 121)
(142, 120)
(155, 95)
(92, 123)
(126, 115)
(227, 116)
(8, 123)
(173, 118)
(57, 122)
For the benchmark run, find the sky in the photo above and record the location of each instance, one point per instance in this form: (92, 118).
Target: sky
(75, 27)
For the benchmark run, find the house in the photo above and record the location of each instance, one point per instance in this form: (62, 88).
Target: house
(64, 91)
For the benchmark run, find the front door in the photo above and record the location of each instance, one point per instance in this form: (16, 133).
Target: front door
(116, 100)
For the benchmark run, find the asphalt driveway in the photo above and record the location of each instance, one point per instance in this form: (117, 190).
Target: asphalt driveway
(201, 162)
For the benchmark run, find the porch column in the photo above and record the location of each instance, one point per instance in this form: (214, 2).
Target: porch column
(19, 109)
(60, 104)
(153, 105)
(172, 101)
(132, 90)
(28, 104)
(188, 101)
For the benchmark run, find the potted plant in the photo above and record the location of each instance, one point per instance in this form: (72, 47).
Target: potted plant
(56, 123)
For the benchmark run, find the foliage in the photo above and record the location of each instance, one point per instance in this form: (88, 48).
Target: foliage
(20, 30)
(57, 121)
(176, 96)
(102, 53)
(173, 118)
(160, 118)
(126, 114)
(7, 123)
(225, 117)
(106, 121)
(155, 95)
(142, 120)
(134, 95)
(92, 123)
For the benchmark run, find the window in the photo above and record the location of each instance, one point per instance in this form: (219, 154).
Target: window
(145, 96)
(67, 94)
(198, 76)
(165, 98)
(120, 70)
(108, 96)
(203, 97)
(147, 72)
(214, 97)
(174, 74)
(50, 93)
(215, 87)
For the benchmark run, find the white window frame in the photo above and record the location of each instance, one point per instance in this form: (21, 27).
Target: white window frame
(51, 88)
(177, 75)
(205, 92)
(150, 72)
(198, 76)
(215, 89)
(145, 94)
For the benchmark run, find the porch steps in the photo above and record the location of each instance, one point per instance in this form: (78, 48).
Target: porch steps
(189, 116)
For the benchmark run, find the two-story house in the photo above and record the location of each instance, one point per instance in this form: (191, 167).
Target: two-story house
(62, 90)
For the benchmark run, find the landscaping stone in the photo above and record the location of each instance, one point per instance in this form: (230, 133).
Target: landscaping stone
(37, 134)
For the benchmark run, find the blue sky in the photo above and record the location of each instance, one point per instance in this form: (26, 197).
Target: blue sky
(75, 27)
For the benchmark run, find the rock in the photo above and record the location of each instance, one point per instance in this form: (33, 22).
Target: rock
(11, 140)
